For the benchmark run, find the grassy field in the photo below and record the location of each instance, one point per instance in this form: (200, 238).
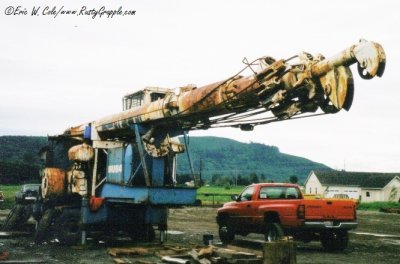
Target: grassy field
(216, 195)
(376, 206)
(9, 195)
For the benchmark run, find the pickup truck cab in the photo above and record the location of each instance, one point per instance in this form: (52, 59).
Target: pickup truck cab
(278, 209)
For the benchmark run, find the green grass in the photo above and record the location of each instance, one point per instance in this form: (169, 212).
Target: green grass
(9, 195)
(221, 190)
(221, 194)
(376, 206)
(217, 194)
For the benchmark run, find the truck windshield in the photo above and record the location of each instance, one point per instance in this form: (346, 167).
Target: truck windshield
(279, 192)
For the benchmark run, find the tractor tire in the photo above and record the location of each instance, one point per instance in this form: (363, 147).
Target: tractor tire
(44, 225)
(68, 227)
(26, 214)
(336, 240)
(144, 233)
(226, 232)
(273, 232)
(14, 218)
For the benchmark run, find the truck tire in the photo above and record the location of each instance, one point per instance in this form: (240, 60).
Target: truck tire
(335, 240)
(273, 232)
(68, 227)
(226, 232)
(44, 224)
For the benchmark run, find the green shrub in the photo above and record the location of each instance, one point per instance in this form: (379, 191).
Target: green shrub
(376, 206)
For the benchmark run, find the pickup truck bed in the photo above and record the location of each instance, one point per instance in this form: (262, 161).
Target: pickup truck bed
(277, 209)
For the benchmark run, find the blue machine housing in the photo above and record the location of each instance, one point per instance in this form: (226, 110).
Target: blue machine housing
(149, 195)
(128, 198)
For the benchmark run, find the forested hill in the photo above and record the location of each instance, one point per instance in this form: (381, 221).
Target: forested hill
(19, 160)
(226, 157)
(21, 148)
(219, 156)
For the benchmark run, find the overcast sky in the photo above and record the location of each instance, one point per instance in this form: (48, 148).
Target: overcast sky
(57, 72)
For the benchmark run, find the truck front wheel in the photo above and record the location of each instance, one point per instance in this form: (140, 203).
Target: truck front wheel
(226, 233)
(335, 240)
(273, 232)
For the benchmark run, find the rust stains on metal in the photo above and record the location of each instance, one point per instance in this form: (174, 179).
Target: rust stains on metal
(77, 182)
(283, 88)
(82, 152)
(166, 146)
(337, 85)
(53, 182)
(370, 57)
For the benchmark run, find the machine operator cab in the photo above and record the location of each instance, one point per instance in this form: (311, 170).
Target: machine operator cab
(162, 169)
(145, 96)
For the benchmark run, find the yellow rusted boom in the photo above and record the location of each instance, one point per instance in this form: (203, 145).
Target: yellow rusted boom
(301, 84)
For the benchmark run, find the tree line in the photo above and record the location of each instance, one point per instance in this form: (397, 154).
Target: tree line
(19, 160)
(224, 180)
(17, 173)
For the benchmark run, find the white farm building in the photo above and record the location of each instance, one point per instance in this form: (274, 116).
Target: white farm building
(364, 186)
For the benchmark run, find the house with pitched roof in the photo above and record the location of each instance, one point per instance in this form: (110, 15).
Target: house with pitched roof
(364, 186)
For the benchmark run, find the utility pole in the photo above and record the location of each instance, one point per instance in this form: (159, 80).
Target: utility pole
(201, 166)
(236, 175)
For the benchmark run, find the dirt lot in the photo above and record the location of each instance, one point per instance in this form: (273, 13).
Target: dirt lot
(377, 240)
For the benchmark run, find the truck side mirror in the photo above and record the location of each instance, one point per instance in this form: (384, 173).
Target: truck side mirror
(235, 197)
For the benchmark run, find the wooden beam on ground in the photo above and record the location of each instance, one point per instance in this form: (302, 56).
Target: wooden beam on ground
(127, 251)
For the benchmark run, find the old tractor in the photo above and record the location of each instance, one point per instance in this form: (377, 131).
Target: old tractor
(117, 173)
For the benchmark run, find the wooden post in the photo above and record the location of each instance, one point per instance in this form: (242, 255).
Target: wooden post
(280, 252)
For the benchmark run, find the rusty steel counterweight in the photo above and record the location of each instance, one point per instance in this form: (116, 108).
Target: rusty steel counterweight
(301, 84)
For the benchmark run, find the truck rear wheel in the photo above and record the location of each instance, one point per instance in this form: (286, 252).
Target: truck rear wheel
(226, 233)
(273, 232)
(335, 240)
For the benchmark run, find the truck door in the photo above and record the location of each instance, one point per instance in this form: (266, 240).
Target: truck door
(245, 211)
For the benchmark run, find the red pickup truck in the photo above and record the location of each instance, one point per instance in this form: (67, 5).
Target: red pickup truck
(278, 209)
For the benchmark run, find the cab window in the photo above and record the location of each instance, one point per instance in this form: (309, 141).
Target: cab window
(156, 96)
(247, 194)
(132, 101)
(279, 192)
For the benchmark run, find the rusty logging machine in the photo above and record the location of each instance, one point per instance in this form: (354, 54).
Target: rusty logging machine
(118, 172)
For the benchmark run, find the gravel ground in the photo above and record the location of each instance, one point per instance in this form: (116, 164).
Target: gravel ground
(376, 240)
